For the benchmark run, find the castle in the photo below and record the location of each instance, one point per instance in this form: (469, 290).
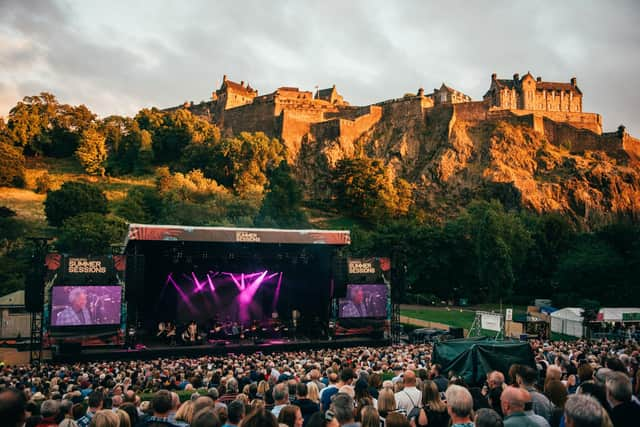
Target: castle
(296, 116)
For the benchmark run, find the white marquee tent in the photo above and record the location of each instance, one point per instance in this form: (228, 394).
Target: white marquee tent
(567, 321)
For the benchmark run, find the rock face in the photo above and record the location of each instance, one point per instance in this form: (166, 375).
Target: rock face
(546, 155)
(452, 155)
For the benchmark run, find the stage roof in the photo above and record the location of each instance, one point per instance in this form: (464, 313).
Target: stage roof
(181, 233)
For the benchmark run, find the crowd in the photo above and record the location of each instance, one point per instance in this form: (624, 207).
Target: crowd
(573, 384)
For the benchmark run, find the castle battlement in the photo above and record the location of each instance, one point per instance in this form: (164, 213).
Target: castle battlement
(295, 115)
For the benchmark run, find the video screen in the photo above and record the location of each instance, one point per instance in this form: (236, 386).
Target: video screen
(85, 305)
(364, 301)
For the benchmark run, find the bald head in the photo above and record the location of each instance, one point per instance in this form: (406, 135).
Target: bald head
(495, 379)
(409, 378)
(513, 400)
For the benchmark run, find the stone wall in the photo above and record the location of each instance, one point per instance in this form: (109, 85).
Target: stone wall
(256, 117)
(589, 121)
(403, 108)
(580, 140)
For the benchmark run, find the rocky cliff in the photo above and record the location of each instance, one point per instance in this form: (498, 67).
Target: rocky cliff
(454, 154)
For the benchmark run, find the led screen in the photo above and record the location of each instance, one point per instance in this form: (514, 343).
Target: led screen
(85, 305)
(364, 301)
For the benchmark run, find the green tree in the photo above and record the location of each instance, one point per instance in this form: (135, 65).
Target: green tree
(282, 203)
(91, 233)
(71, 199)
(12, 166)
(41, 125)
(92, 152)
(365, 189)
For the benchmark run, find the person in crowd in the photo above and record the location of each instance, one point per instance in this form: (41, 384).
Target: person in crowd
(345, 379)
(369, 417)
(624, 412)
(12, 408)
(124, 419)
(281, 398)
(386, 403)
(161, 405)
(313, 394)
(260, 418)
(436, 376)
(494, 399)
(302, 401)
(513, 401)
(235, 413)
(134, 416)
(184, 414)
(433, 411)
(396, 419)
(459, 406)
(207, 417)
(291, 416)
(557, 394)
(526, 378)
(582, 410)
(105, 418)
(332, 379)
(495, 379)
(487, 417)
(409, 397)
(66, 409)
(342, 406)
(49, 410)
(96, 401)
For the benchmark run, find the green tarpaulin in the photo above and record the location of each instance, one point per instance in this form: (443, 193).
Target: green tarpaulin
(473, 358)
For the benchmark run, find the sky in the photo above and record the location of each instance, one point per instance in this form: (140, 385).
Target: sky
(117, 57)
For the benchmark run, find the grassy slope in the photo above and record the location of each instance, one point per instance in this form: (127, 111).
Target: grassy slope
(29, 205)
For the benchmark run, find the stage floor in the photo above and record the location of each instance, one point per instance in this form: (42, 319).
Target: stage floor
(155, 351)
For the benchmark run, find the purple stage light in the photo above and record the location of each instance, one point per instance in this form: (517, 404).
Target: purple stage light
(183, 296)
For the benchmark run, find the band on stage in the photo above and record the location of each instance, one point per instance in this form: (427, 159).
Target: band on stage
(220, 331)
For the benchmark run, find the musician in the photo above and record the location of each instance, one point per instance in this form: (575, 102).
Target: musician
(76, 313)
(190, 335)
(357, 305)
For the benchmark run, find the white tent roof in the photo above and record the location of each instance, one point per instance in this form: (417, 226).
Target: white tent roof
(615, 314)
(12, 299)
(568, 313)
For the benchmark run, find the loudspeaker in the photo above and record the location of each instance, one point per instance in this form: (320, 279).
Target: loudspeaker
(34, 286)
(339, 274)
(134, 277)
(456, 332)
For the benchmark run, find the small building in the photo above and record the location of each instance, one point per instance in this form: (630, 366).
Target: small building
(330, 95)
(232, 94)
(14, 319)
(448, 95)
(533, 94)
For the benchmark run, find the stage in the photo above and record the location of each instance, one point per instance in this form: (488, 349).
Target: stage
(156, 351)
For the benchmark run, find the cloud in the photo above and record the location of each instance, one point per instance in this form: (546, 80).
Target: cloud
(118, 57)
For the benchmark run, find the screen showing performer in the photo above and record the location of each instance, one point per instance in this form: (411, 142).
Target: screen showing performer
(85, 305)
(364, 301)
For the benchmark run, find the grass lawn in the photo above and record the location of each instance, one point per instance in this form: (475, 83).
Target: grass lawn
(454, 318)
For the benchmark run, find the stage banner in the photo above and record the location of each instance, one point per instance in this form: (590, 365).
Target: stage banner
(491, 322)
(368, 270)
(100, 270)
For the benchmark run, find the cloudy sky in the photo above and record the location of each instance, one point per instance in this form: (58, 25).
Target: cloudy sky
(119, 56)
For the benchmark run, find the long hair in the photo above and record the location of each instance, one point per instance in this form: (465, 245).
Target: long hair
(369, 417)
(312, 392)
(288, 415)
(431, 397)
(386, 402)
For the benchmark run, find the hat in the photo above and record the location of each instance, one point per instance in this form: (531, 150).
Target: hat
(38, 396)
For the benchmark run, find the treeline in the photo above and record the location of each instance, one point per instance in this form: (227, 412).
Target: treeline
(201, 177)
(488, 254)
